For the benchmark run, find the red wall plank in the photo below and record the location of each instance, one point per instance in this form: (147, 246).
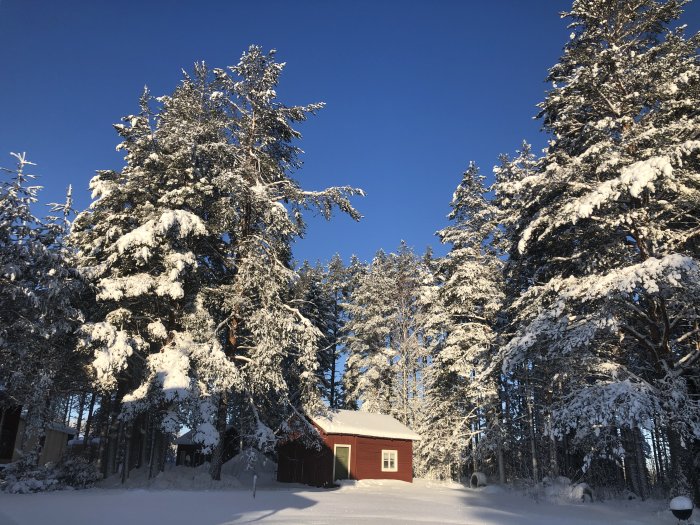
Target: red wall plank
(366, 456)
(315, 467)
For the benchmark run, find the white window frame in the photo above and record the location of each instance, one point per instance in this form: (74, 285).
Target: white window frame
(335, 447)
(395, 454)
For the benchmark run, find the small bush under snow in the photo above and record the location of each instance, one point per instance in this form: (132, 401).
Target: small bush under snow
(21, 478)
(69, 473)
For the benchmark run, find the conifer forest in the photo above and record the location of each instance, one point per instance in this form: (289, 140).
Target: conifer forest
(558, 336)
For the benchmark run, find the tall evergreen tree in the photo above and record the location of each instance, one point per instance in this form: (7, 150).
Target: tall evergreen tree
(38, 306)
(189, 250)
(386, 338)
(460, 416)
(322, 292)
(609, 235)
(524, 389)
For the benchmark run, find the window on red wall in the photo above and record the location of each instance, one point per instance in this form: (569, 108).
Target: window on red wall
(390, 461)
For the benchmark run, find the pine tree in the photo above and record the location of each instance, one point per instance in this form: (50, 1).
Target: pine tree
(189, 250)
(357, 271)
(338, 283)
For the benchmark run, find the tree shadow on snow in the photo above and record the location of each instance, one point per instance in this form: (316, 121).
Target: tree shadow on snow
(267, 504)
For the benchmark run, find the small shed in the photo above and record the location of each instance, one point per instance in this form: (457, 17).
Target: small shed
(56, 439)
(355, 445)
(54, 445)
(190, 453)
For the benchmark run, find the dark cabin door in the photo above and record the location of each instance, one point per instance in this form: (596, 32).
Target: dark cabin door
(342, 462)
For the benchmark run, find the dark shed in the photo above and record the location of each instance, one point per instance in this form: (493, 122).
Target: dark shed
(190, 453)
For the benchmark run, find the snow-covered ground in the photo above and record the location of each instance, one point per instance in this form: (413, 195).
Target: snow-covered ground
(365, 502)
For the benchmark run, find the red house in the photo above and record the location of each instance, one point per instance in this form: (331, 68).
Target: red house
(356, 445)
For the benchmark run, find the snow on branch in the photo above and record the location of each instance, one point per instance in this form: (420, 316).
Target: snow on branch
(651, 277)
(177, 222)
(632, 181)
(113, 348)
(329, 198)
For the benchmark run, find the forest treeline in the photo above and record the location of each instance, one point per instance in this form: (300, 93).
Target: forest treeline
(559, 336)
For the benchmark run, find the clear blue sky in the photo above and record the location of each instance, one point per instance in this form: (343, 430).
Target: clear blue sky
(414, 90)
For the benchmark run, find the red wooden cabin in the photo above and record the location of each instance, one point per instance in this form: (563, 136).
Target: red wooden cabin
(356, 445)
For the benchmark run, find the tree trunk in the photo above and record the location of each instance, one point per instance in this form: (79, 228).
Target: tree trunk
(678, 479)
(641, 463)
(501, 465)
(635, 462)
(656, 453)
(66, 413)
(143, 449)
(553, 458)
(110, 435)
(152, 461)
(163, 450)
(35, 430)
(2, 419)
(115, 448)
(126, 454)
(217, 457)
(81, 408)
(103, 423)
(88, 422)
(529, 399)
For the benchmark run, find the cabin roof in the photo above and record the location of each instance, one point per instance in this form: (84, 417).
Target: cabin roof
(364, 424)
(188, 437)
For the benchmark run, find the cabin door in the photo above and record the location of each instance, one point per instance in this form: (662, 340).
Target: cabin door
(341, 466)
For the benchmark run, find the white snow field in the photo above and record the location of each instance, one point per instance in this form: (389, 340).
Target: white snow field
(365, 502)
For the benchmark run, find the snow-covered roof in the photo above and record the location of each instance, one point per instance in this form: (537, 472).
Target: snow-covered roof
(52, 425)
(364, 424)
(58, 427)
(186, 438)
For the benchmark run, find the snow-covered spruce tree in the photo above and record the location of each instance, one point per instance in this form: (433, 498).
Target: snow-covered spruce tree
(38, 313)
(386, 339)
(525, 388)
(356, 273)
(320, 293)
(189, 249)
(610, 240)
(337, 285)
(460, 416)
(367, 375)
(311, 301)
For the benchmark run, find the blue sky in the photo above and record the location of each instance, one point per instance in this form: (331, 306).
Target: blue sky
(414, 91)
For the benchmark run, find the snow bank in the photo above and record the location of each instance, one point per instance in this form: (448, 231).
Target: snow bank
(248, 463)
(561, 490)
(172, 478)
(236, 473)
(492, 489)
(371, 484)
